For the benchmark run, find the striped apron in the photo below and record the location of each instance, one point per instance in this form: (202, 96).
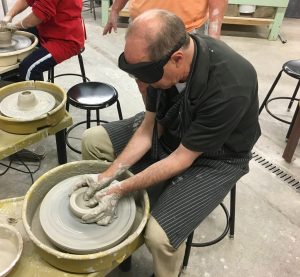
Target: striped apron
(183, 202)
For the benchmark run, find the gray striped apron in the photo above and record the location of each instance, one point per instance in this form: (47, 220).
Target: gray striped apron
(182, 203)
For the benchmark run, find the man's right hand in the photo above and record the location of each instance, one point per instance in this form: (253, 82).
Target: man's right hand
(111, 23)
(94, 184)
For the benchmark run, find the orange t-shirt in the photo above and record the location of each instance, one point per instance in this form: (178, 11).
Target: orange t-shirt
(193, 13)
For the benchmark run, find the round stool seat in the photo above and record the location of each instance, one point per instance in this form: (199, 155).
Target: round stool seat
(92, 95)
(292, 68)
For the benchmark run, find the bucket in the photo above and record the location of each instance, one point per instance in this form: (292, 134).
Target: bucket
(247, 8)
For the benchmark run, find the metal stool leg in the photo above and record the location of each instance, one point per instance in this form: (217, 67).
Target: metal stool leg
(88, 119)
(187, 251)
(98, 116)
(82, 67)
(92, 4)
(294, 95)
(119, 110)
(270, 92)
(232, 212)
(51, 75)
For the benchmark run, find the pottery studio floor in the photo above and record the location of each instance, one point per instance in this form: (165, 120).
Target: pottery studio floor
(267, 236)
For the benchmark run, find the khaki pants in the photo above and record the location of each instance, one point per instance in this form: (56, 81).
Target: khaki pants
(167, 260)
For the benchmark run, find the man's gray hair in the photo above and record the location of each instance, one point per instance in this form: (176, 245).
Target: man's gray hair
(171, 32)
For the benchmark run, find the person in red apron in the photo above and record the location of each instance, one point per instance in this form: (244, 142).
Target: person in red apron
(60, 30)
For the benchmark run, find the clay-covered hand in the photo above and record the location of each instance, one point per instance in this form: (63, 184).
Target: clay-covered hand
(106, 202)
(3, 22)
(94, 184)
(10, 26)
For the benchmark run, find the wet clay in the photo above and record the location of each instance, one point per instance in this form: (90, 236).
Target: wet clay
(5, 38)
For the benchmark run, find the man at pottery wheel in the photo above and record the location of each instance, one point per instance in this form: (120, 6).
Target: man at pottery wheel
(191, 145)
(59, 27)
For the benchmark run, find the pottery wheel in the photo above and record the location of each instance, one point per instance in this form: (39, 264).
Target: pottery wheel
(18, 42)
(66, 231)
(12, 107)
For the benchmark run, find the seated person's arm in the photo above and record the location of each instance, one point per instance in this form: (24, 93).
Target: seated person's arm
(178, 161)
(29, 21)
(137, 147)
(217, 10)
(18, 7)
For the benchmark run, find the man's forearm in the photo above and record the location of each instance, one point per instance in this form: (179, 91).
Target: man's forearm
(138, 146)
(118, 5)
(171, 166)
(217, 9)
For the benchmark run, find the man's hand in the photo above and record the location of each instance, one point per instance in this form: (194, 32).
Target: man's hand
(94, 184)
(12, 27)
(111, 23)
(106, 202)
(4, 22)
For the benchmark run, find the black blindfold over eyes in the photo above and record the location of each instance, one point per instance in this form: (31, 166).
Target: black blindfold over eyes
(149, 72)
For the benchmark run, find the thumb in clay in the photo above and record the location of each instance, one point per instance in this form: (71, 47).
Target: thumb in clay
(104, 213)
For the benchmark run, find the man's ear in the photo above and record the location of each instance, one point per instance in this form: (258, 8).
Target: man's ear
(177, 58)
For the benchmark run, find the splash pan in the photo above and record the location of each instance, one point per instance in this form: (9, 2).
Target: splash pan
(23, 44)
(66, 230)
(102, 261)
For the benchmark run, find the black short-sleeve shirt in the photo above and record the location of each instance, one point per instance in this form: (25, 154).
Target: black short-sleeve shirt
(219, 107)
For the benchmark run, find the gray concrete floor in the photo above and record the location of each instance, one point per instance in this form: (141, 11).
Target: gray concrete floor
(267, 235)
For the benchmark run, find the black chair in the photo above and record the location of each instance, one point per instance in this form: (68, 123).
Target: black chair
(291, 68)
(91, 96)
(230, 221)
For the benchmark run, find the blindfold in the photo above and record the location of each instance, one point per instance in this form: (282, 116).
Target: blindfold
(149, 72)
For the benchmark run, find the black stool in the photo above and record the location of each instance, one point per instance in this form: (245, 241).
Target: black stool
(91, 96)
(291, 68)
(51, 75)
(230, 220)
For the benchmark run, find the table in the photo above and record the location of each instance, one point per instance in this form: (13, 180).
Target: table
(6, 69)
(293, 137)
(274, 24)
(30, 263)
(12, 143)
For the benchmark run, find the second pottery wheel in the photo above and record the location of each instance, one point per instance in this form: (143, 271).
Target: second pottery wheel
(66, 231)
(27, 104)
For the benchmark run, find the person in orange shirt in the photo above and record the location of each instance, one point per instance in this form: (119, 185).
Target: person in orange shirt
(194, 13)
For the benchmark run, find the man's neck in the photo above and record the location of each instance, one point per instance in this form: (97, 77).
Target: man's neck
(189, 54)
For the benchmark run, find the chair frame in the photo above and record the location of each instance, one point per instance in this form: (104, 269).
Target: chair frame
(229, 228)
